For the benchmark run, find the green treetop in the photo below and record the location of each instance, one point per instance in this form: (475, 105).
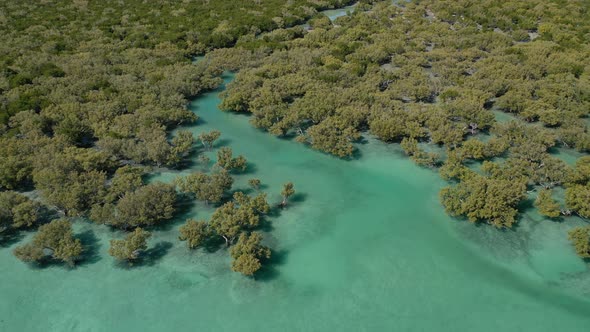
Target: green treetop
(207, 139)
(208, 188)
(226, 161)
(195, 233)
(54, 240)
(580, 239)
(18, 211)
(248, 254)
(546, 204)
(288, 191)
(146, 206)
(130, 248)
(254, 183)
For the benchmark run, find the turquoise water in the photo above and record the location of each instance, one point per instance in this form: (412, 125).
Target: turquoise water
(335, 13)
(364, 246)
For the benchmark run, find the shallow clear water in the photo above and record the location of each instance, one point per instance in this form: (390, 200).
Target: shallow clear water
(335, 13)
(364, 246)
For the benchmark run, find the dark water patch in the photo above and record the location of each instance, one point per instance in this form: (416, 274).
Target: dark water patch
(153, 255)
(9, 237)
(275, 210)
(91, 245)
(266, 224)
(297, 198)
(221, 142)
(250, 168)
(213, 244)
(526, 204)
(269, 270)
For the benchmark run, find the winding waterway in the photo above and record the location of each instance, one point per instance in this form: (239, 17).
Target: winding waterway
(364, 246)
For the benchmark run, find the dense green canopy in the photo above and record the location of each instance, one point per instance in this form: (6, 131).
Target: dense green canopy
(18, 212)
(435, 76)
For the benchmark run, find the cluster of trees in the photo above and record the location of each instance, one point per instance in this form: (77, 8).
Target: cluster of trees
(206, 187)
(236, 219)
(436, 73)
(577, 193)
(114, 77)
(53, 241)
(130, 248)
(580, 238)
(147, 205)
(191, 25)
(123, 201)
(89, 94)
(18, 212)
(226, 160)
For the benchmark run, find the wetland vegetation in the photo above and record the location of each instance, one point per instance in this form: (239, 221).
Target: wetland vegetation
(98, 135)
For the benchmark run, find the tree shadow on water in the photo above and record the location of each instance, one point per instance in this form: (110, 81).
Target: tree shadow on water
(277, 209)
(297, 198)
(8, 238)
(151, 256)
(525, 205)
(265, 224)
(184, 210)
(269, 270)
(91, 246)
(250, 168)
(222, 142)
(214, 244)
(200, 121)
(356, 155)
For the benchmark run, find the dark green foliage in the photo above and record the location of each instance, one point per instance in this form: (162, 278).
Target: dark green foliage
(419, 156)
(547, 205)
(18, 212)
(580, 239)
(248, 254)
(431, 74)
(333, 136)
(148, 205)
(577, 193)
(577, 198)
(226, 160)
(130, 248)
(241, 214)
(90, 92)
(254, 183)
(230, 221)
(54, 240)
(208, 188)
(126, 179)
(207, 139)
(288, 191)
(195, 233)
(72, 180)
(484, 199)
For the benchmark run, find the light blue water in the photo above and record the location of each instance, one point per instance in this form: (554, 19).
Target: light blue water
(335, 13)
